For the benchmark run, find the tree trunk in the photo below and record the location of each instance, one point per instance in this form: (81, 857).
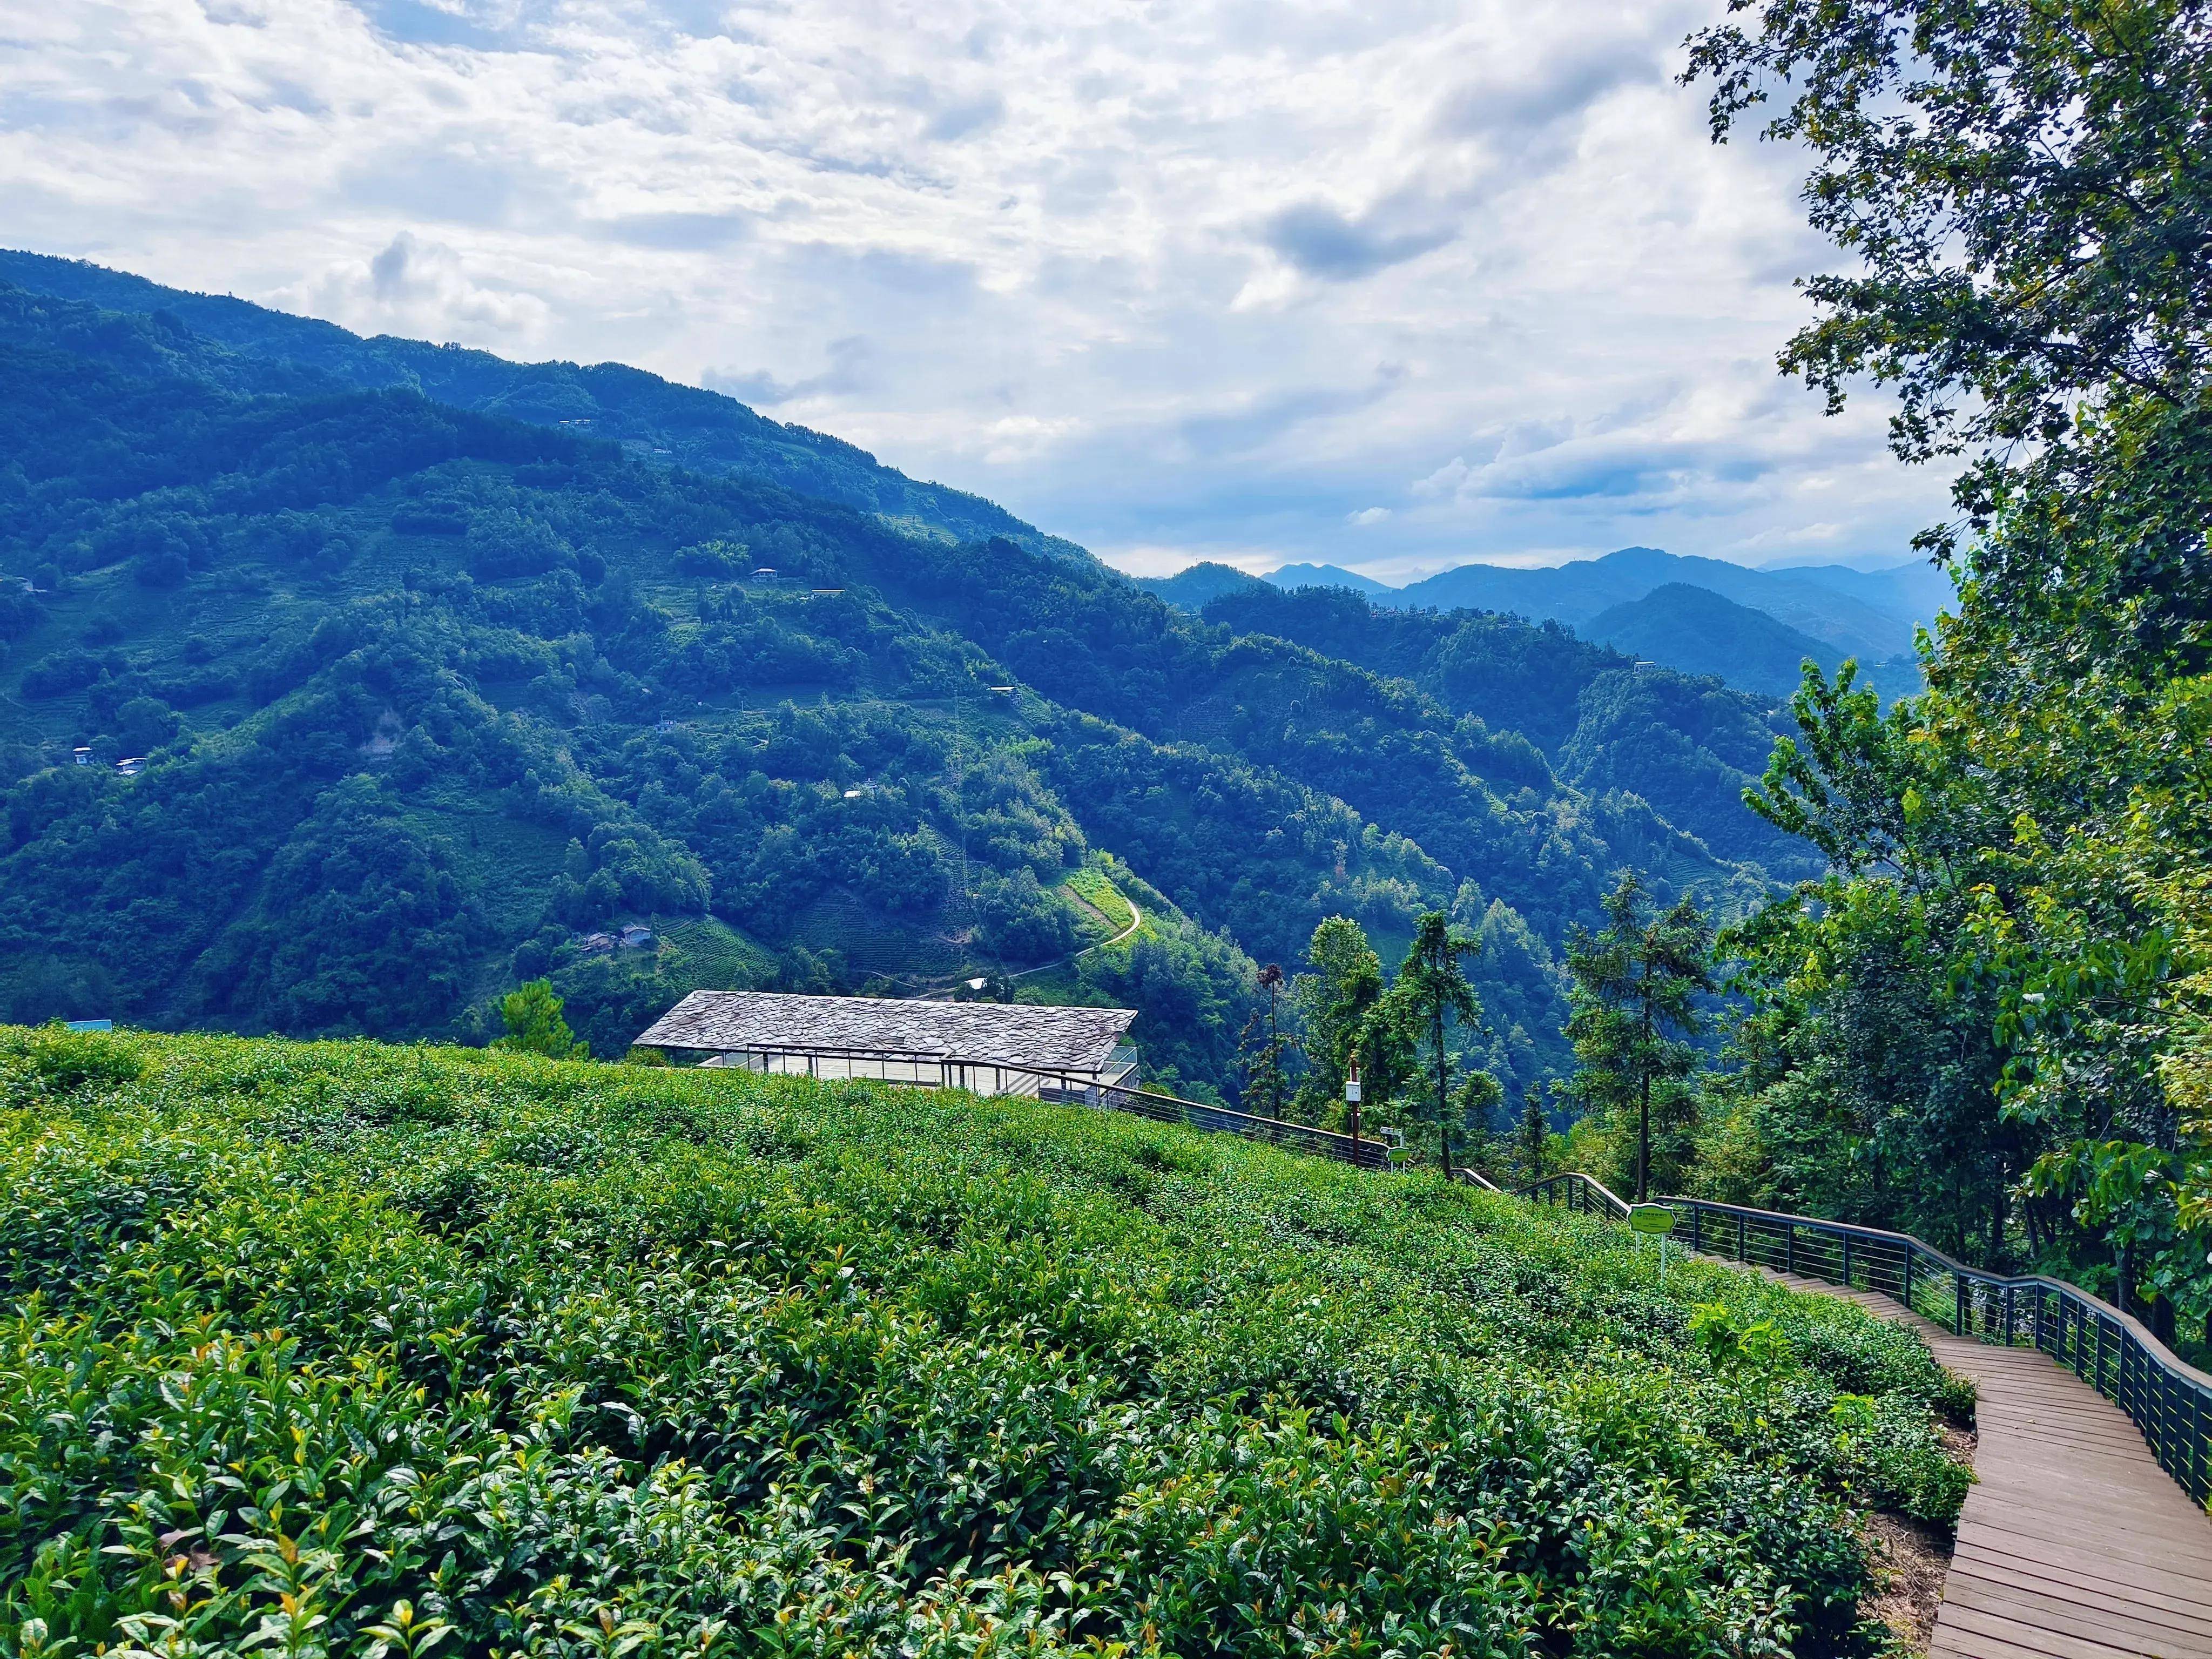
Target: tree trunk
(1443, 1120)
(1644, 1121)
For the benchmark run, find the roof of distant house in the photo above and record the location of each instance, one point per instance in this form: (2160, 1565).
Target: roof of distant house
(1010, 1034)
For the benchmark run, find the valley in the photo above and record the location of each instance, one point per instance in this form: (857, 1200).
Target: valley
(421, 664)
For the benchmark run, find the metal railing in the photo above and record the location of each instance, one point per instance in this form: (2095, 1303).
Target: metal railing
(1366, 1153)
(2169, 1400)
(1577, 1192)
(999, 1077)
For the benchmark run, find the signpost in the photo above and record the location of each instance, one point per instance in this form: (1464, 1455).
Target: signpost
(1653, 1221)
(1351, 1099)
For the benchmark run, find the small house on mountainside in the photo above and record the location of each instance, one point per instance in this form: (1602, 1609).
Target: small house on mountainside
(994, 1049)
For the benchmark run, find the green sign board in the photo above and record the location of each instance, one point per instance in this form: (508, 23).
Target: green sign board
(1650, 1218)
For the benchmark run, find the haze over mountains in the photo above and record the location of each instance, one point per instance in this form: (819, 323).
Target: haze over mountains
(1628, 598)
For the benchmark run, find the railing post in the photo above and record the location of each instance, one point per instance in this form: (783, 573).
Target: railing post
(1789, 1247)
(1908, 1277)
(2008, 1316)
(1697, 1216)
(2200, 1478)
(1847, 1261)
(1958, 1298)
(1739, 1238)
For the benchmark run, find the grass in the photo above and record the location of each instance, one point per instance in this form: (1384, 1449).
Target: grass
(1092, 886)
(354, 1349)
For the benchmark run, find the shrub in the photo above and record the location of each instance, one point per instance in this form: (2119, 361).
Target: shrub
(324, 1348)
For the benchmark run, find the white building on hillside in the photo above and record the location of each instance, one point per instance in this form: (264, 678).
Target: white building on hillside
(994, 1049)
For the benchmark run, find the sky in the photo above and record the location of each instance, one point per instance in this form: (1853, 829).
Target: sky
(1394, 285)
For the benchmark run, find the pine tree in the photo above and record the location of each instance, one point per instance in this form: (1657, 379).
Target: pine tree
(1536, 1132)
(1431, 989)
(1263, 1047)
(1634, 996)
(1475, 1099)
(535, 1024)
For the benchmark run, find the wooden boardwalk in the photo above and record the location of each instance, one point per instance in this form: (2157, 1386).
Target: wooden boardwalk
(2073, 1544)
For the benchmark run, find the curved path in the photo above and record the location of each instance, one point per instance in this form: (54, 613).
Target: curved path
(1136, 920)
(2073, 1544)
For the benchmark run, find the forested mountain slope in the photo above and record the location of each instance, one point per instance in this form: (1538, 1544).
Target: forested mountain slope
(273, 350)
(1700, 632)
(426, 696)
(1605, 725)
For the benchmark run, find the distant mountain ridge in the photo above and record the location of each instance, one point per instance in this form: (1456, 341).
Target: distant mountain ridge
(1576, 593)
(1198, 587)
(1295, 576)
(1747, 624)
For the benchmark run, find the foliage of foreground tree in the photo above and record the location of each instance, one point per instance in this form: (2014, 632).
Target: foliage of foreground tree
(2017, 936)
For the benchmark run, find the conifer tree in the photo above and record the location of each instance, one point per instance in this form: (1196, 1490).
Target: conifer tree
(533, 1015)
(1432, 991)
(1536, 1132)
(1634, 996)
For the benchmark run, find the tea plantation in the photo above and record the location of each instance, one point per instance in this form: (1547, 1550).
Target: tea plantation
(354, 1350)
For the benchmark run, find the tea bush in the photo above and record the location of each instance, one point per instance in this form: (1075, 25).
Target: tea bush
(340, 1349)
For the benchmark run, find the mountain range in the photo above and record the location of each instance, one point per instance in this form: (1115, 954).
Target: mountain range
(1635, 597)
(346, 682)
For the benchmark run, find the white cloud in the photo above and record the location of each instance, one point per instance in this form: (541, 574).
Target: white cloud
(414, 287)
(1211, 278)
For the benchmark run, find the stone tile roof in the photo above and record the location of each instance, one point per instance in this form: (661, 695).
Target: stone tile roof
(1012, 1034)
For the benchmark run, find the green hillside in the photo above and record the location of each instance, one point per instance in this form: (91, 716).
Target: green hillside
(1195, 587)
(427, 698)
(1623, 736)
(354, 1350)
(269, 350)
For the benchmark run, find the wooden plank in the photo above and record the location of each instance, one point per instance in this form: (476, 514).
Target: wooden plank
(2188, 1615)
(2079, 1554)
(2108, 1503)
(2175, 1598)
(2139, 1632)
(2018, 1633)
(2073, 1543)
(1955, 1640)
